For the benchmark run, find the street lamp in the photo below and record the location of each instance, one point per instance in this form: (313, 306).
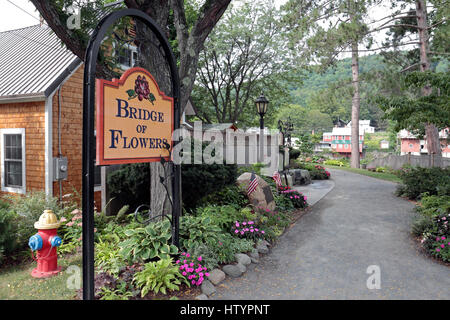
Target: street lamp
(261, 107)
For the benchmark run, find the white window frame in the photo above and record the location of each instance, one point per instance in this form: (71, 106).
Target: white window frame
(5, 188)
(133, 49)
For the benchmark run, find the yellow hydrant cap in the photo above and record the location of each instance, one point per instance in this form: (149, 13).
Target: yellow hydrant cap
(47, 220)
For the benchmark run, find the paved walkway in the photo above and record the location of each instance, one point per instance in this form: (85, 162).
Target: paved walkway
(325, 255)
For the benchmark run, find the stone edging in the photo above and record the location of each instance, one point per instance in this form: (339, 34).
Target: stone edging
(217, 275)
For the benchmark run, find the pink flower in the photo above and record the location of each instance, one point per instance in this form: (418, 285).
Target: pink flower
(207, 274)
(442, 245)
(80, 224)
(438, 249)
(443, 238)
(236, 231)
(199, 258)
(63, 219)
(187, 255)
(177, 262)
(191, 264)
(183, 254)
(69, 224)
(184, 261)
(304, 198)
(184, 273)
(262, 231)
(237, 224)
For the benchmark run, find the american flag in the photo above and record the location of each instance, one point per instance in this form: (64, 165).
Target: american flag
(276, 176)
(252, 184)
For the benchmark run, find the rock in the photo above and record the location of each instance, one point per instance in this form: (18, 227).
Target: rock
(243, 259)
(301, 177)
(232, 270)
(254, 256)
(216, 276)
(262, 196)
(202, 297)
(241, 267)
(262, 248)
(208, 288)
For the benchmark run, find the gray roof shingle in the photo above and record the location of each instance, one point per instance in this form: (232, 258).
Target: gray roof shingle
(32, 59)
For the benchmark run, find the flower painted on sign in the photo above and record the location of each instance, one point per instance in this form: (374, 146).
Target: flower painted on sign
(141, 90)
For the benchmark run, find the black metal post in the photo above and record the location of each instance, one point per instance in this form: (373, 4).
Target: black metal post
(90, 66)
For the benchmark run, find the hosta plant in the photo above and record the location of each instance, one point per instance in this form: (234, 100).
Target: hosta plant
(159, 276)
(149, 242)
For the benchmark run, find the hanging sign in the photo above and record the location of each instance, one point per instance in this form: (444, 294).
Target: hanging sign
(135, 120)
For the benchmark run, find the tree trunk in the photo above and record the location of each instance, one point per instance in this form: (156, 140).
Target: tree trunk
(354, 160)
(432, 134)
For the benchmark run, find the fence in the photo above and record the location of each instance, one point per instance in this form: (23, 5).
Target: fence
(396, 162)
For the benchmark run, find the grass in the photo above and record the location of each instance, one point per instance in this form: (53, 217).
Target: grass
(379, 175)
(16, 282)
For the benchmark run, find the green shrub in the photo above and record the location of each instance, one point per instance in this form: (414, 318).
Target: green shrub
(130, 184)
(294, 153)
(332, 162)
(229, 195)
(227, 246)
(209, 256)
(159, 276)
(199, 180)
(256, 168)
(149, 242)
(28, 209)
(417, 180)
(8, 232)
(108, 258)
(197, 230)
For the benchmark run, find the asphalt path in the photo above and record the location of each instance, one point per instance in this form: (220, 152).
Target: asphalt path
(355, 243)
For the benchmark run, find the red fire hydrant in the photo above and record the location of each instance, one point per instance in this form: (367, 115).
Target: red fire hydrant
(44, 243)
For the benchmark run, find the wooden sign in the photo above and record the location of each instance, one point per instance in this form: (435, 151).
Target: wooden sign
(134, 119)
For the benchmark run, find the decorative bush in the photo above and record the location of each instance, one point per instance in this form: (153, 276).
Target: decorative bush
(297, 198)
(229, 195)
(192, 269)
(159, 276)
(222, 216)
(108, 258)
(227, 246)
(247, 229)
(130, 184)
(417, 180)
(332, 162)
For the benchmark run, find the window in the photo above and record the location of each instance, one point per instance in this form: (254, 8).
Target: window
(346, 146)
(126, 56)
(13, 160)
(410, 145)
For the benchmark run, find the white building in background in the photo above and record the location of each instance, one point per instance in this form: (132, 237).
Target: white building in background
(364, 126)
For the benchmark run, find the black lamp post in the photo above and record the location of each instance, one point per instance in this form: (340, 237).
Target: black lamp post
(261, 107)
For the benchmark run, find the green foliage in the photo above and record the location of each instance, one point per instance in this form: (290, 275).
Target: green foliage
(229, 195)
(227, 246)
(8, 229)
(208, 254)
(198, 229)
(28, 209)
(332, 162)
(130, 184)
(221, 216)
(159, 276)
(412, 110)
(108, 257)
(417, 180)
(200, 180)
(149, 242)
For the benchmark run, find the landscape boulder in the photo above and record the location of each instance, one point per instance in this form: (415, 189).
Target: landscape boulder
(262, 196)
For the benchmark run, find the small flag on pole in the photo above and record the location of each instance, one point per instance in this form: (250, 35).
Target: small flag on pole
(252, 184)
(276, 176)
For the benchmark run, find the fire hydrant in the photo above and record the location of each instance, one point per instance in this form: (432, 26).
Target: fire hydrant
(44, 243)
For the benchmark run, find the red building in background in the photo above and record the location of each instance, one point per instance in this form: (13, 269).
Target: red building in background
(411, 144)
(340, 140)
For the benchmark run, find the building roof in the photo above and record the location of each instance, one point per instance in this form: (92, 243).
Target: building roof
(33, 62)
(342, 131)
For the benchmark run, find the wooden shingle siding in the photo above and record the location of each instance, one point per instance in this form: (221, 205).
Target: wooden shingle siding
(28, 115)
